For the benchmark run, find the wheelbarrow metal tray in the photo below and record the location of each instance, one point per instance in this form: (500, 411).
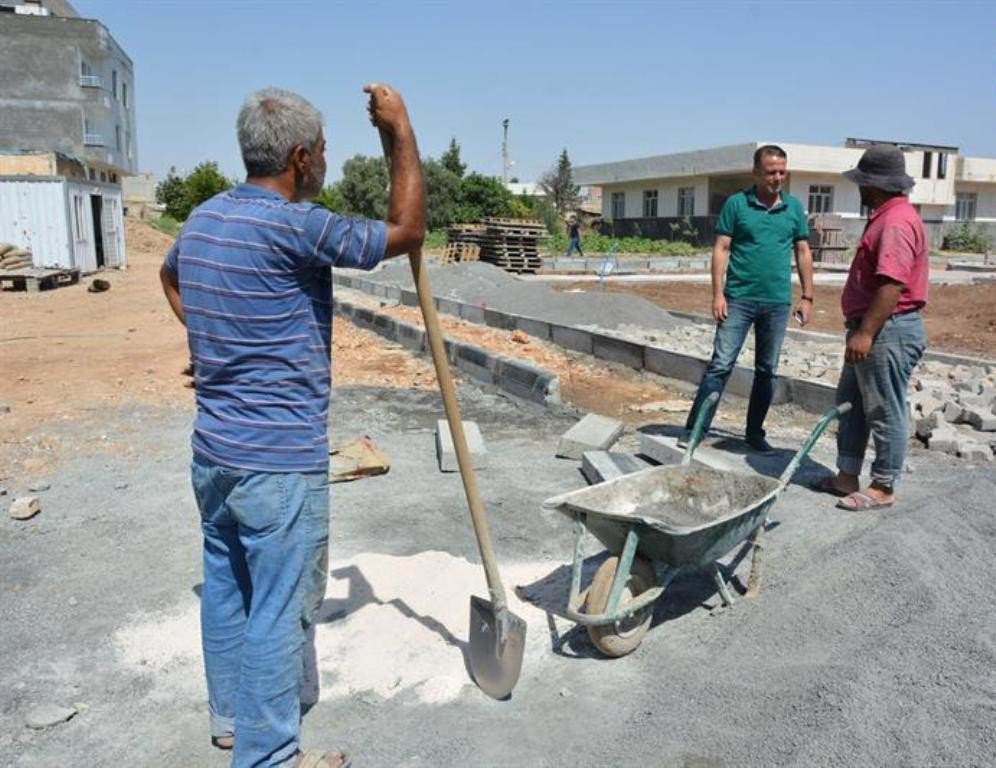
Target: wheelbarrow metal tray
(684, 515)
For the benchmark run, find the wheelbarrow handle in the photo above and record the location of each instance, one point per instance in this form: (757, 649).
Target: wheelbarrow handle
(705, 411)
(834, 413)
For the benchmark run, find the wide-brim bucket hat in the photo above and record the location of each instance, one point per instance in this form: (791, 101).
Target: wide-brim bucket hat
(882, 166)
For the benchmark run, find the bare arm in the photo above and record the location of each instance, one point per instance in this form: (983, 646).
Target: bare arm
(881, 309)
(406, 210)
(720, 258)
(804, 266)
(172, 290)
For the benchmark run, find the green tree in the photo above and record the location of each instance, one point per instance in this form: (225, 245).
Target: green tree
(451, 161)
(203, 183)
(558, 183)
(171, 192)
(364, 186)
(442, 194)
(482, 196)
(331, 198)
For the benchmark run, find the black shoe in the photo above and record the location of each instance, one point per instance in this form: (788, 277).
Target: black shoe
(761, 445)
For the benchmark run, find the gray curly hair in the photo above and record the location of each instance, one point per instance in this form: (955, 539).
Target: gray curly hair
(271, 123)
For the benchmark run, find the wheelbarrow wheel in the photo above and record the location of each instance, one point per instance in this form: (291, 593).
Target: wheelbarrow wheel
(622, 637)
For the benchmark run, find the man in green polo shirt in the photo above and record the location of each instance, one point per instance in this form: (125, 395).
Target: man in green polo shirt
(757, 233)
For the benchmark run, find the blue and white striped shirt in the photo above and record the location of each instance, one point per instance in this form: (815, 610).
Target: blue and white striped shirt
(255, 280)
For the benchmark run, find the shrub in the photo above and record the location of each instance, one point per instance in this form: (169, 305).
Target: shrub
(557, 244)
(963, 238)
(167, 224)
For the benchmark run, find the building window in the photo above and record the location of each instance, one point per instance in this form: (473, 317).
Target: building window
(686, 201)
(820, 198)
(117, 137)
(618, 205)
(927, 160)
(103, 175)
(93, 175)
(965, 206)
(650, 203)
(124, 94)
(87, 78)
(114, 83)
(942, 165)
(128, 145)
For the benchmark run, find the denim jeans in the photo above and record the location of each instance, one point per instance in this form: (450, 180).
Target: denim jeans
(769, 322)
(574, 243)
(877, 390)
(265, 566)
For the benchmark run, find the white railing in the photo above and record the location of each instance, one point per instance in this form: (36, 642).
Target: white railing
(90, 81)
(93, 140)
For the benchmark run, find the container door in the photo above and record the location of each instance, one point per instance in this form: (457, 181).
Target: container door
(112, 254)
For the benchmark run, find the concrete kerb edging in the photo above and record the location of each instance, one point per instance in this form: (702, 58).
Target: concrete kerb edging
(512, 376)
(809, 395)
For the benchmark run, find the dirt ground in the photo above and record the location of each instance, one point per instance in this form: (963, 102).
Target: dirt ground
(68, 354)
(959, 318)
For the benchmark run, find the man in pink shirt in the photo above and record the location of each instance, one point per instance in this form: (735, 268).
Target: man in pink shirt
(885, 291)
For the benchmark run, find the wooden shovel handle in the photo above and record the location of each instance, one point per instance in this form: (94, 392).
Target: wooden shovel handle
(434, 334)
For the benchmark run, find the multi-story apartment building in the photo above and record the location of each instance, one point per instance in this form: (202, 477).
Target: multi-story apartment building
(67, 131)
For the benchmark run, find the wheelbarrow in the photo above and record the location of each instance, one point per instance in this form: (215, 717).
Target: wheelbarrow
(658, 523)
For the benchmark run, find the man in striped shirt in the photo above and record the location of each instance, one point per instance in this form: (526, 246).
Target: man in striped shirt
(250, 277)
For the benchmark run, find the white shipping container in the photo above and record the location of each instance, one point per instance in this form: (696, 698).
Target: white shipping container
(63, 222)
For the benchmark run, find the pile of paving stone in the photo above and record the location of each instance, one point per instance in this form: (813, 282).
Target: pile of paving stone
(953, 409)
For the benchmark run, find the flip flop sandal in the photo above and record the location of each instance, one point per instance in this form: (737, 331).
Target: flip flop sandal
(316, 759)
(825, 485)
(223, 742)
(862, 502)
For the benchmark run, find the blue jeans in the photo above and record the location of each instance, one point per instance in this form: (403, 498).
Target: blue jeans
(877, 390)
(574, 243)
(265, 566)
(769, 322)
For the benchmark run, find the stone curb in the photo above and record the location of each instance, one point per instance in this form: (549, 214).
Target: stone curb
(512, 376)
(809, 395)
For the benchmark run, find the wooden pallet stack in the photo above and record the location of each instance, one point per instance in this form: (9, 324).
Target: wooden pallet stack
(826, 238)
(463, 243)
(512, 244)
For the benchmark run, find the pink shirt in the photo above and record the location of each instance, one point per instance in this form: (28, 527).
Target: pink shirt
(894, 245)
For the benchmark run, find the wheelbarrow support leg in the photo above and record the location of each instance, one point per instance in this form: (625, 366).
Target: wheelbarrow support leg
(622, 570)
(724, 590)
(575, 598)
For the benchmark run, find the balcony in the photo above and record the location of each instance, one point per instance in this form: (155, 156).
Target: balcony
(93, 140)
(90, 81)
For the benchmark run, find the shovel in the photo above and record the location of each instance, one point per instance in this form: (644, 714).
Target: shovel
(497, 636)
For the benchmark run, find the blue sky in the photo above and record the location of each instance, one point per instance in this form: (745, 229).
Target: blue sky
(608, 81)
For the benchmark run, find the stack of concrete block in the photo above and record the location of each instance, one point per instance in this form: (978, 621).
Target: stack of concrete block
(954, 410)
(592, 433)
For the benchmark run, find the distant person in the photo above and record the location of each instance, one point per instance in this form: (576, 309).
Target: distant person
(885, 291)
(757, 233)
(250, 277)
(573, 237)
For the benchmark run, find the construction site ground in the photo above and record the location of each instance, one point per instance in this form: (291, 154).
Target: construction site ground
(959, 318)
(871, 642)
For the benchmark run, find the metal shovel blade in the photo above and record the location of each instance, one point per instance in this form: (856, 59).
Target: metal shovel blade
(497, 643)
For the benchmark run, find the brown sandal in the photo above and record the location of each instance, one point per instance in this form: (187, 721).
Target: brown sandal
(315, 759)
(826, 485)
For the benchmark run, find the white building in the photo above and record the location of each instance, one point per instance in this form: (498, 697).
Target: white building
(644, 196)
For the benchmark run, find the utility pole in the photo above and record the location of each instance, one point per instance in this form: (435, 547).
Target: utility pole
(504, 152)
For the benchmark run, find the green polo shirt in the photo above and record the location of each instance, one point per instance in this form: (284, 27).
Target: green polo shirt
(760, 266)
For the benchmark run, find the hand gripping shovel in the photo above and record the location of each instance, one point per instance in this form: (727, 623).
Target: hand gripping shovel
(497, 636)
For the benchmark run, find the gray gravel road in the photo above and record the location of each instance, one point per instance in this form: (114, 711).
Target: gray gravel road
(872, 642)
